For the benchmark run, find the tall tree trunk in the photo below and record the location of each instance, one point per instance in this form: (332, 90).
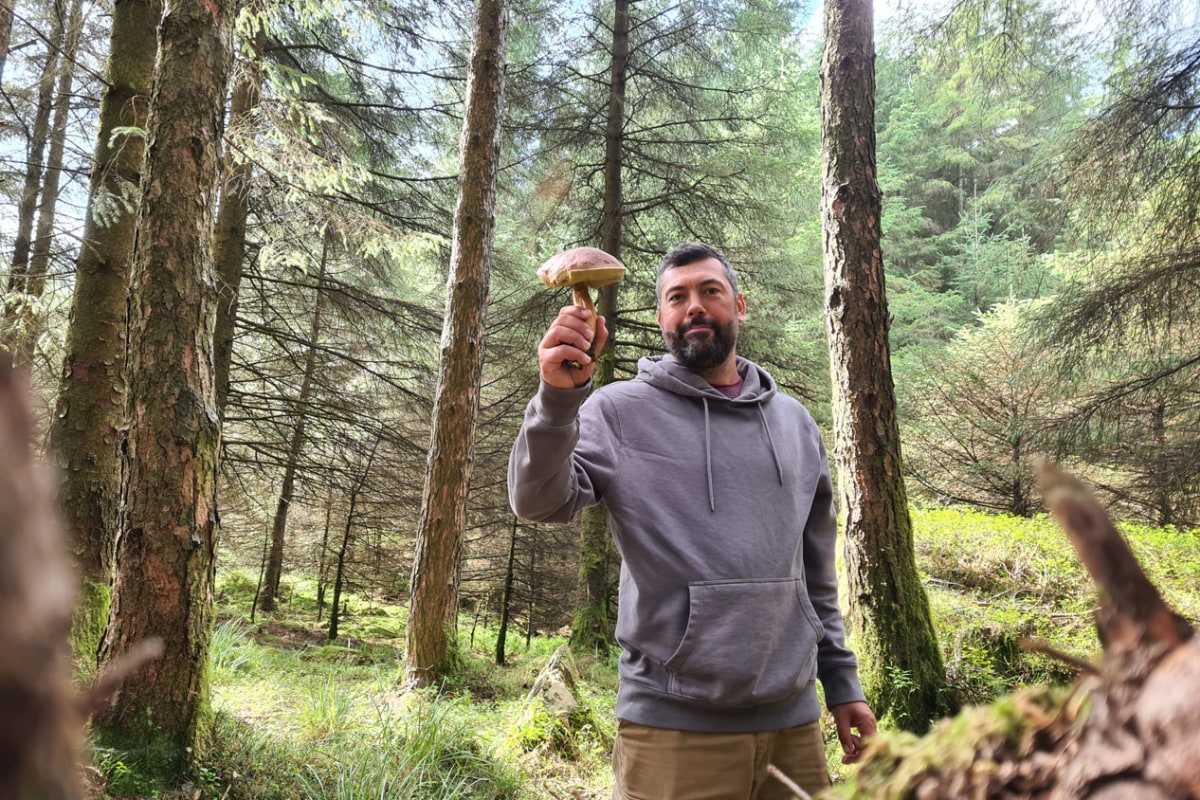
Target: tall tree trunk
(339, 570)
(229, 238)
(6, 20)
(296, 445)
(506, 598)
(88, 427)
(166, 553)
(39, 133)
(39, 259)
(322, 562)
(1165, 474)
(590, 630)
(434, 600)
(889, 612)
(339, 578)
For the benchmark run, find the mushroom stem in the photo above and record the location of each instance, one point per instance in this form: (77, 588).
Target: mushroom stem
(581, 297)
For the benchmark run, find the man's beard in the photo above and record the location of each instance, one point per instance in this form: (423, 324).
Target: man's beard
(702, 352)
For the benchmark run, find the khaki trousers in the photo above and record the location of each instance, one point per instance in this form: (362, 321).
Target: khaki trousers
(662, 764)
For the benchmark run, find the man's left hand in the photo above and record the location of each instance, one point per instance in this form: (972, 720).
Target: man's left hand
(851, 717)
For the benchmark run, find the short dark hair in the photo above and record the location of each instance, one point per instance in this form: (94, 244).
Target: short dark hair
(689, 253)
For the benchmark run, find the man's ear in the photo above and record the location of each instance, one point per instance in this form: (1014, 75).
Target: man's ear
(741, 308)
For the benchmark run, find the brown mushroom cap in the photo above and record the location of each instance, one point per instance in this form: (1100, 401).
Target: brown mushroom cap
(589, 266)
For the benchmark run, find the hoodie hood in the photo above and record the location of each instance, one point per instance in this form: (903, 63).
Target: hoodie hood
(665, 373)
(758, 387)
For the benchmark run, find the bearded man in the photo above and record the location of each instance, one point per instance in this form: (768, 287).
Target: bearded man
(720, 502)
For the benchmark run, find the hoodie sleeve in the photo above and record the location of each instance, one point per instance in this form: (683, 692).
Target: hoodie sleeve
(563, 455)
(837, 666)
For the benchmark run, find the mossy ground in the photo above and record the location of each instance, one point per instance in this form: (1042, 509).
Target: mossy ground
(301, 717)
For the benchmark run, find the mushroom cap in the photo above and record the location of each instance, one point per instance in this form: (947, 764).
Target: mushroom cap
(589, 266)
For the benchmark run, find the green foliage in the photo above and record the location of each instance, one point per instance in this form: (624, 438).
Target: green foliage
(537, 727)
(432, 753)
(293, 723)
(123, 776)
(994, 579)
(978, 414)
(892, 770)
(230, 648)
(326, 710)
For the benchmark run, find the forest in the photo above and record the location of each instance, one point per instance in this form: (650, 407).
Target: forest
(270, 270)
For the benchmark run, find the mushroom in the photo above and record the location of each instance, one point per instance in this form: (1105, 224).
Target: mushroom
(582, 268)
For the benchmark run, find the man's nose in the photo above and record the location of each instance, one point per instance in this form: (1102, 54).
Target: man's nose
(694, 306)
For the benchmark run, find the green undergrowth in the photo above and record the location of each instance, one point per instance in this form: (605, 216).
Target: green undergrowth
(994, 580)
(300, 716)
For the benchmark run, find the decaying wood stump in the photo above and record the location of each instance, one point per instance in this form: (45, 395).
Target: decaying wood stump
(40, 734)
(1128, 730)
(41, 716)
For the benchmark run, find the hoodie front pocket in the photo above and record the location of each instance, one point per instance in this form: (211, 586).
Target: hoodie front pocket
(746, 643)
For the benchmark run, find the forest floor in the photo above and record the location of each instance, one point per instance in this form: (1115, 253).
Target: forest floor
(304, 718)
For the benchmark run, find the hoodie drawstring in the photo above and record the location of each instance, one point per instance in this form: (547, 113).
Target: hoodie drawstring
(712, 499)
(762, 415)
(771, 441)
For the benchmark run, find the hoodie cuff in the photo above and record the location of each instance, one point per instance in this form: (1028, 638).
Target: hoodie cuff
(842, 687)
(559, 407)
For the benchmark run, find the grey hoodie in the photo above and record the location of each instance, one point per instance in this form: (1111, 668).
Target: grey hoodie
(723, 513)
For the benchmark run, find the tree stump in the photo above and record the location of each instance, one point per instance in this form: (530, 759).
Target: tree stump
(41, 716)
(1128, 730)
(40, 729)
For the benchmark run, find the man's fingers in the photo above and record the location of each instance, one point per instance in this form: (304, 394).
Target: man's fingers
(561, 336)
(851, 748)
(601, 335)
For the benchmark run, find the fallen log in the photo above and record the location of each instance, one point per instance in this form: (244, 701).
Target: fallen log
(1129, 729)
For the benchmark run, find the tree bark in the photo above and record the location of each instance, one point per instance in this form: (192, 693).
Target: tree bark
(165, 557)
(590, 629)
(434, 600)
(6, 20)
(296, 445)
(229, 238)
(88, 426)
(888, 609)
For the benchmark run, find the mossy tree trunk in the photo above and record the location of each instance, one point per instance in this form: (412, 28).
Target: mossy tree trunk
(590, 629)
(889, 620)
(88, 427)
(166, 553)
(433, 605)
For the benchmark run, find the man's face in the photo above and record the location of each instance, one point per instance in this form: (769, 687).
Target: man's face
(699, 314)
